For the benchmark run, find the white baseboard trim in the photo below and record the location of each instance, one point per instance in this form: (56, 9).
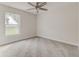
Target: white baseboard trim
(41, 37)
(69, 43)
(17, 41)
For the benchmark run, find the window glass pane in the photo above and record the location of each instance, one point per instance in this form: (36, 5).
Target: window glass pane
(12, 22)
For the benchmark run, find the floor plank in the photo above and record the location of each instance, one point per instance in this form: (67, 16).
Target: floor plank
(38, 47)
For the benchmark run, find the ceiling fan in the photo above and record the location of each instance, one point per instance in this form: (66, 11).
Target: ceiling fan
(38, 6)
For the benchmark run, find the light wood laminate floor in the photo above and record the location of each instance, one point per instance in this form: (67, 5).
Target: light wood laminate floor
(38, 47)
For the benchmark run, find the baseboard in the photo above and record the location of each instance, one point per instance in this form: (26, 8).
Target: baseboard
(18, 41)
(68, 43)
(39, 37)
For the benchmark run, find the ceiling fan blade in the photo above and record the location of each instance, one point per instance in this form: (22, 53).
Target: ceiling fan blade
(43, 9)
(31, 4)
(42, 4)
(30, 8)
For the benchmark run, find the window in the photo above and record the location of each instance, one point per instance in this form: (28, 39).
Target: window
(12, 24)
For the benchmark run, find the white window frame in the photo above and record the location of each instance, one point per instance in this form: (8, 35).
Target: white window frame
(19, 17)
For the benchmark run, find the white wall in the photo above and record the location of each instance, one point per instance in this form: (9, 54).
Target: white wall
(27, 28)
(78, 24)
(59, 22)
